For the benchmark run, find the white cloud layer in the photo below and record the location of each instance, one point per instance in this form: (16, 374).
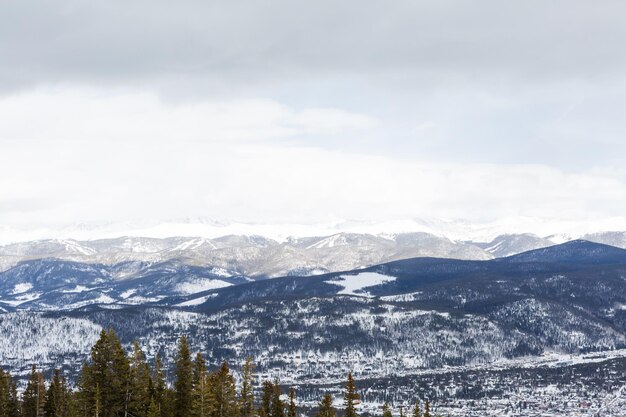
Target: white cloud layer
(87, 157)
(312, 112)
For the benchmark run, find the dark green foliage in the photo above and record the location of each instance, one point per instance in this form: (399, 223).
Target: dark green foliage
(265, 409)
(183, 384)
(350, 397)
(427, 409)
(202, 391)
(291, 407)
(9, 403)
(153, 409)
(139, 396)
(386, 411)
(157, 385)
(278, 406)
(34, 396)
(326, 408)
(246, 396)
(57, 397)
(417, 412)
(105, 382)
(226, 404)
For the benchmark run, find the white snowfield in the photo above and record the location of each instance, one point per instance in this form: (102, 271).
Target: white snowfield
(356, 284)
(199, 285)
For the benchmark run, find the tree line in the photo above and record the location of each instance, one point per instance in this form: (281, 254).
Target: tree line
(114, 384)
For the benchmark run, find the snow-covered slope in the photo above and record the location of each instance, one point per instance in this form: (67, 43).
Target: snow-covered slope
(507, 245)
(248, 255)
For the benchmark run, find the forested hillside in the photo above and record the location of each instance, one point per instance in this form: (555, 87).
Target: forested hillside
(113, 383)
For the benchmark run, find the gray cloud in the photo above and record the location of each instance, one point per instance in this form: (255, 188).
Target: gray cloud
(528, 94)
(267, 40)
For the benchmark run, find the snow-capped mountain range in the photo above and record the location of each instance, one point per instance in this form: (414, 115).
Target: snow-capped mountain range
(258, 256)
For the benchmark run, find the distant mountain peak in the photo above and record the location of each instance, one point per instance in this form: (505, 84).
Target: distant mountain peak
(576, 251)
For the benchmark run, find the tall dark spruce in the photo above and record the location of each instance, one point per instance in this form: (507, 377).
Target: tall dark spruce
(183, 384)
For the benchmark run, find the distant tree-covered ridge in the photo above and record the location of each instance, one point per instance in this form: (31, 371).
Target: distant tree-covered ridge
(113, 383)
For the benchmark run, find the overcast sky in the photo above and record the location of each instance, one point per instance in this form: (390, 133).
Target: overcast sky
(311, 112)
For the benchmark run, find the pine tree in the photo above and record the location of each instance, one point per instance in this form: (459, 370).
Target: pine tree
(225, 393)
(292, 410)
(246, 396)
(140, 383)
(183, 383)
(157, 385)
(169, 402)
(386, 411)
(427, 409)
(4, 394)
(277, 406)
(202, 391)
(56, 396)
(267, 390)
(417, 412)
(350, 398)
(33, 398)
(105, 384)
(153, 410)
(71, 404)
(9, 402)
(14, 401)
(326, 408)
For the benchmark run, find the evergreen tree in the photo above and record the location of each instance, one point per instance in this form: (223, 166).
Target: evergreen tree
(417, 412)
(4, 394)
(267, 391)
(246, 397)
(139, 393)
(225, 393)
(326, 408)
(386, 411)
(350, 397)
(33, 398)
(9, 401)
(427, 409)
(183, 384)
(169, 402)
(153, 410)
(277, 405)
(56, 396)
(87, 392)
(157, 383)
(202, 392)
(14, 401)
(106, 382)
(292, 410)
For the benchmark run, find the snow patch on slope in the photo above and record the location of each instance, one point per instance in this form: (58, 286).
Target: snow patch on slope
(23, 287)
(76, 289)
(356, 284)
(198, 285)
